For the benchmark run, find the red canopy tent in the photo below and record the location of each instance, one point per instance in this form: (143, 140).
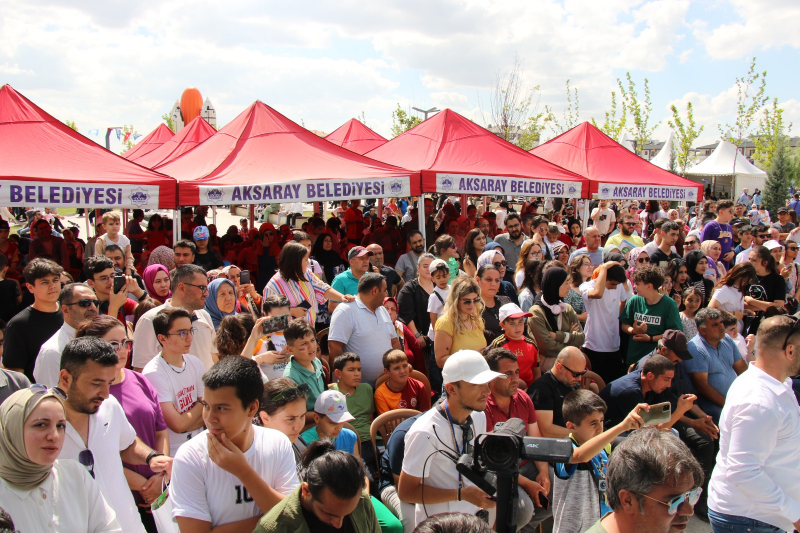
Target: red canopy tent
(356, 137)
(44, 162)
(457, 156)
(614, 172)
(263, 157)
(152, 140)
(197, 131)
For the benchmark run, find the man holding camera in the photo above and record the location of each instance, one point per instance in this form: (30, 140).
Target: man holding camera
(442, 435)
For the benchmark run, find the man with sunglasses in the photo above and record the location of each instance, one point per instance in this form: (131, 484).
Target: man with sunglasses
(652, 483)
(79, 305)
(548, 392)
(511, 242)
(189, 287)
(625, 240)
(691, 243)
(760, 235)
(756, 482)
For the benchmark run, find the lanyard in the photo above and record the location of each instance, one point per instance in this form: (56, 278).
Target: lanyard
(446, 413)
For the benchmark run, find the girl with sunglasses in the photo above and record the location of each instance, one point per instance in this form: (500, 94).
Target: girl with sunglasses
(461, 326)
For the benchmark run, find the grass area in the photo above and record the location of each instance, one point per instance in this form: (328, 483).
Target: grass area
(66, 211)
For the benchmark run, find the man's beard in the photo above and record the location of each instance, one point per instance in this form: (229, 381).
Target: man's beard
(515, 234)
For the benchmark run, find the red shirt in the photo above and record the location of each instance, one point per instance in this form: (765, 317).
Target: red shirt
(354, 231)
(527, 357)
(520, 407)
(412, 396)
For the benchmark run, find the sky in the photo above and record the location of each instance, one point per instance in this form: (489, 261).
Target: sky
(110, 63)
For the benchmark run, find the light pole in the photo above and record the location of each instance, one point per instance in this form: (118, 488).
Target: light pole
(108, 137)
(426, 113)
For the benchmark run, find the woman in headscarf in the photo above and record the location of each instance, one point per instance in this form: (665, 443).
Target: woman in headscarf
(634, 261)
(36, 488)
(234, 273)
(324, 253)
(696, 266)
(221, 300)
(157, 282)
(163, 255)
(554, 323)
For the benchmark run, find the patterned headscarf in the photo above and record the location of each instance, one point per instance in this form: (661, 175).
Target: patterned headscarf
(163, 255)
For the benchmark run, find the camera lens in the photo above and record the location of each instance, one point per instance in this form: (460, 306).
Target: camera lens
(500, 452)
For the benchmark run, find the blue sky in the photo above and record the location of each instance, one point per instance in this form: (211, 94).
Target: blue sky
(111, 63)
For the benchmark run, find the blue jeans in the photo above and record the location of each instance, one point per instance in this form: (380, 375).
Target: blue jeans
(725, 523)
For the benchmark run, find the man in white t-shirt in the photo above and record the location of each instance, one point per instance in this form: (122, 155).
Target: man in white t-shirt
(456, 421)
(189, 290)
(234, 472)
(603, 299)
(98, 435)
(603, 218)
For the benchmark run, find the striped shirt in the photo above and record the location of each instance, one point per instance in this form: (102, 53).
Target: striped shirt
(299, 292)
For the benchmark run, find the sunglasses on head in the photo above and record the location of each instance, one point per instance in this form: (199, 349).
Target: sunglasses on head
(289, 395)
(38, 388)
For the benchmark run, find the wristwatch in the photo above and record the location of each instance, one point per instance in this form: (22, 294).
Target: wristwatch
(151, 455)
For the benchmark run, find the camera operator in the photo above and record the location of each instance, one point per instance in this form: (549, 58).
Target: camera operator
(429, 478)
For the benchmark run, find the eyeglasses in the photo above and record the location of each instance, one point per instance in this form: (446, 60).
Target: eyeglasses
(38, 388)
(183, 333)
(792, 331)
(293, 393)
(86, 458)
(689, 243)
(574, 374)
(764, 236)
(85, 302)
(629, 224)
(121, 345)
(471, 302)
(643, 259)
(501, 263)
(203, 288)
(693, 496)
(537, 253)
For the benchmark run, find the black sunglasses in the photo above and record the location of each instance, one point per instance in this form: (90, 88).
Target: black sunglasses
(86, 302)
(574, 374)
(86, 458)
(289, 395)
(643, 259)
(793, 329)
(500, 263)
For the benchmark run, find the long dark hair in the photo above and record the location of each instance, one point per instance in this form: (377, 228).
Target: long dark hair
(744, 270)
(469, 246)
(153, 218)
(290, 261)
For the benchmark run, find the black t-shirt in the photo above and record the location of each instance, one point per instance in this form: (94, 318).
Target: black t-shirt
(769, 288)
(625, 393)
(9, 290)
(392, 277)
(317, 526)
(658, 257)
(547, 394)
(491, 319)
(25, 334)
(208, 261)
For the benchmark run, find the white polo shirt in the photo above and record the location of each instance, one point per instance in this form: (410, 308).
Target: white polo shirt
(203, 491)
(48, 362)
(109, 434)
(146, 346)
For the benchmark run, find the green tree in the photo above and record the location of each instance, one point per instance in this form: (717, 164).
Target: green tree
(71, 124)
(402, 121)
(168, 121)
(571, 115)
(128, 133)
(639, 111)
(771, 132)
(780, 172)
(362, 118)
(685, 134)
(751, 97)
(614, 125)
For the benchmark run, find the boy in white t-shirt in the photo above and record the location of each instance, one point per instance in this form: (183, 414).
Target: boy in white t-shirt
(233, 473)
(440, 272)
(112, 225)
(177, 376)
(269, 351)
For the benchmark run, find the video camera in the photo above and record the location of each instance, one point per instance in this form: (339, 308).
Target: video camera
(494, 464)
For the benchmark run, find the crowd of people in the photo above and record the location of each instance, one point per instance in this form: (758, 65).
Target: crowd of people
(245, 371)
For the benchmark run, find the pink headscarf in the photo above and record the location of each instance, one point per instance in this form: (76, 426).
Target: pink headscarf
(148, 276)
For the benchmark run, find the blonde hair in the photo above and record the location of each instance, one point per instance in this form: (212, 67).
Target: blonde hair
(111, 215)
(392, 357)
(524, 252)
(461, 287)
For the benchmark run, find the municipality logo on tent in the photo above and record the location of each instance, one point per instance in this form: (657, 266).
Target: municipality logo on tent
(396, 188)
(447, 183)
(215, 195)
(606, 191)
(690, 194)
(139, 197)
(572, 189)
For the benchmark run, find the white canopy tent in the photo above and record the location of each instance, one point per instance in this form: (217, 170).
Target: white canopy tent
(661, 159)
(628, 142)
(727, 163)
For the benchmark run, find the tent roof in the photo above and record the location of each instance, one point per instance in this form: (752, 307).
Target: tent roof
(197, 131)
(661, 159)
(263, 157)
(61, 167)
(720, 163)
(613, 170)
(356, 137)
(458, 156)
(152, 140)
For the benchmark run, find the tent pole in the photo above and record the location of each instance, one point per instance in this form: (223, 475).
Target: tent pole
(380, 208)
(124, 221)
(421, 216)
(251, 211)
(176, 226)
(485, 204)
(586, 213)
(86, 219)
(214, 215)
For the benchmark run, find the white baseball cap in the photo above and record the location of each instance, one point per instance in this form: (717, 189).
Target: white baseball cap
(512, 310)
(469, 366)
(333, 404)
(772, 244)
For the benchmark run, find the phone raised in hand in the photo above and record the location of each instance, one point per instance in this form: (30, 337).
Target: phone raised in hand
(275, 323)
(658, 414)
(244, 277)
(119, 283)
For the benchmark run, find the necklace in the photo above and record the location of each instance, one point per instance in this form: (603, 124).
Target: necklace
(181, 371)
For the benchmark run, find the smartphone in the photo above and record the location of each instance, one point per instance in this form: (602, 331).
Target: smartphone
(544, 501)
(370, 266)
(275, 323)
(244, 278)
(305, 305)
(119, 283)
(658, 414)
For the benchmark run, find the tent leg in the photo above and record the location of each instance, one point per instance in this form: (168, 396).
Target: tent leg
(485, 204)
(421, 216)
(585, 213)
(214, 215)
(251, 211)
(176, 226)
(86, 219)
(124, 221)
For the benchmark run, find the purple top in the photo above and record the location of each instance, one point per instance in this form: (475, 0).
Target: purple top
(140, 403)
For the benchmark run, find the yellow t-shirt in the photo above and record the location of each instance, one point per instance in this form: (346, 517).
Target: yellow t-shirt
(468, 339)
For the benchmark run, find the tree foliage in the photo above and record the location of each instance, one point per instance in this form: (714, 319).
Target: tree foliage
(402, 121)
(168, 120)
(571, 116)
(776, 187)
(614, 125)
(770, 134)
(128, 133)
(751, 97)
(639, 111)
(71, 124)
(685, 133)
